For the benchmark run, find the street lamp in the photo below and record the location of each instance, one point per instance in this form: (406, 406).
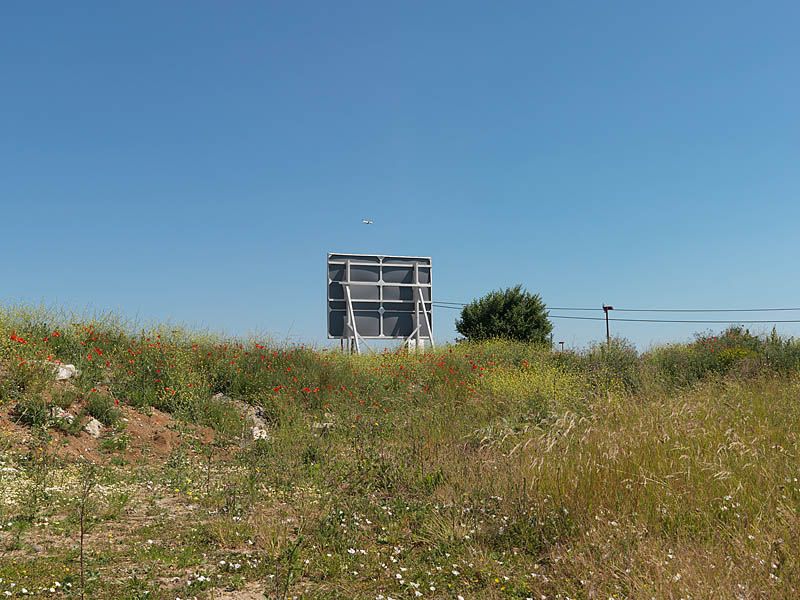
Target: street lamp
(607, 308)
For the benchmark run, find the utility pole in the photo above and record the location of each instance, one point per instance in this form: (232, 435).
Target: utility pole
(607, 308)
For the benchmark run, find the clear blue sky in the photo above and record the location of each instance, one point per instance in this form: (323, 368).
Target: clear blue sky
(195, 161)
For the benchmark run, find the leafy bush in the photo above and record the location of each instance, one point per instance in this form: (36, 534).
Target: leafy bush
(513, 314)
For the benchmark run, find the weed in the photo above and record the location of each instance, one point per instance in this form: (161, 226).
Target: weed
(65, 397)
(115, 443)
(33, 410)
(103, 408)
(88, 481)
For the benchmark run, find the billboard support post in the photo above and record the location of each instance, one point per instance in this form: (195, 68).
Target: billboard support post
(418, 340)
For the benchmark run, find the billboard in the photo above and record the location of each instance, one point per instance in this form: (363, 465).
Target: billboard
(372, 296)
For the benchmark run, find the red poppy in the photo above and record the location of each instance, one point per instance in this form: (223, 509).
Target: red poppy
(19, 340)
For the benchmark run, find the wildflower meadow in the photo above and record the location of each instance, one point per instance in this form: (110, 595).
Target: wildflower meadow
(164, 463)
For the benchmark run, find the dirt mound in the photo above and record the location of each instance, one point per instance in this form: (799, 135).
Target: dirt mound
(141, 436)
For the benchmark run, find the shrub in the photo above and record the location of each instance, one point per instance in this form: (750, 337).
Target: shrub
(735, 350)
(70, 427)
(217, 413)
(20, 378)
(64, 397)
(33, 410)
(614, 366)
(103, 408)
(117, 443)
(781, 354)
(537, 388)
(513, 314)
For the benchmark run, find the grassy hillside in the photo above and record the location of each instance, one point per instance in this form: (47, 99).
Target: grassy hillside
(496, 470)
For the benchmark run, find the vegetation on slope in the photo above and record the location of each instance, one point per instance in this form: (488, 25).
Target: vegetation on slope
(491, 470)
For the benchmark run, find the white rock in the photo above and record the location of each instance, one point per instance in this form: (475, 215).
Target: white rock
(94, 428)
(59, 413)
(259, 433)
(324, 426)
(259, 425)
(64, 372)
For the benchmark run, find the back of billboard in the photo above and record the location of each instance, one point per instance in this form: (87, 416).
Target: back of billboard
(372, 296)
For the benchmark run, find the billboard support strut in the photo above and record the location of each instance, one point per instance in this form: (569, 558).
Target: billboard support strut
(419, 301)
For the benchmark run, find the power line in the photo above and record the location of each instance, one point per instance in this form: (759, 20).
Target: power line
(703, 310)
(460, 304)
(648, 310)
(676, 320)
(696, 321)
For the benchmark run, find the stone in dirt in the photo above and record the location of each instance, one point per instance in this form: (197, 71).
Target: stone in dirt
(64, 372)
(324, 427)
(94, 428)
(59, 413)
(260, 426)
(259, 433)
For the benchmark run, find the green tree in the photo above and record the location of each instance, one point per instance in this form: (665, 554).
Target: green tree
(513, 313)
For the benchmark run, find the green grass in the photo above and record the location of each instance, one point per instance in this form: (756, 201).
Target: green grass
(102, 408)
(492, 470)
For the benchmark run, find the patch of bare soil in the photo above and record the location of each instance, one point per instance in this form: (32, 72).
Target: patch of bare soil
(156, 434)
(10, 429)
(252, 591)
(152, 435)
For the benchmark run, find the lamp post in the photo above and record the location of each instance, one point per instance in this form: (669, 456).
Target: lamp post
(607, 308)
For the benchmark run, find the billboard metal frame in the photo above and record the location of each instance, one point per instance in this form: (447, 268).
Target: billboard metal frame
(422, 308)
